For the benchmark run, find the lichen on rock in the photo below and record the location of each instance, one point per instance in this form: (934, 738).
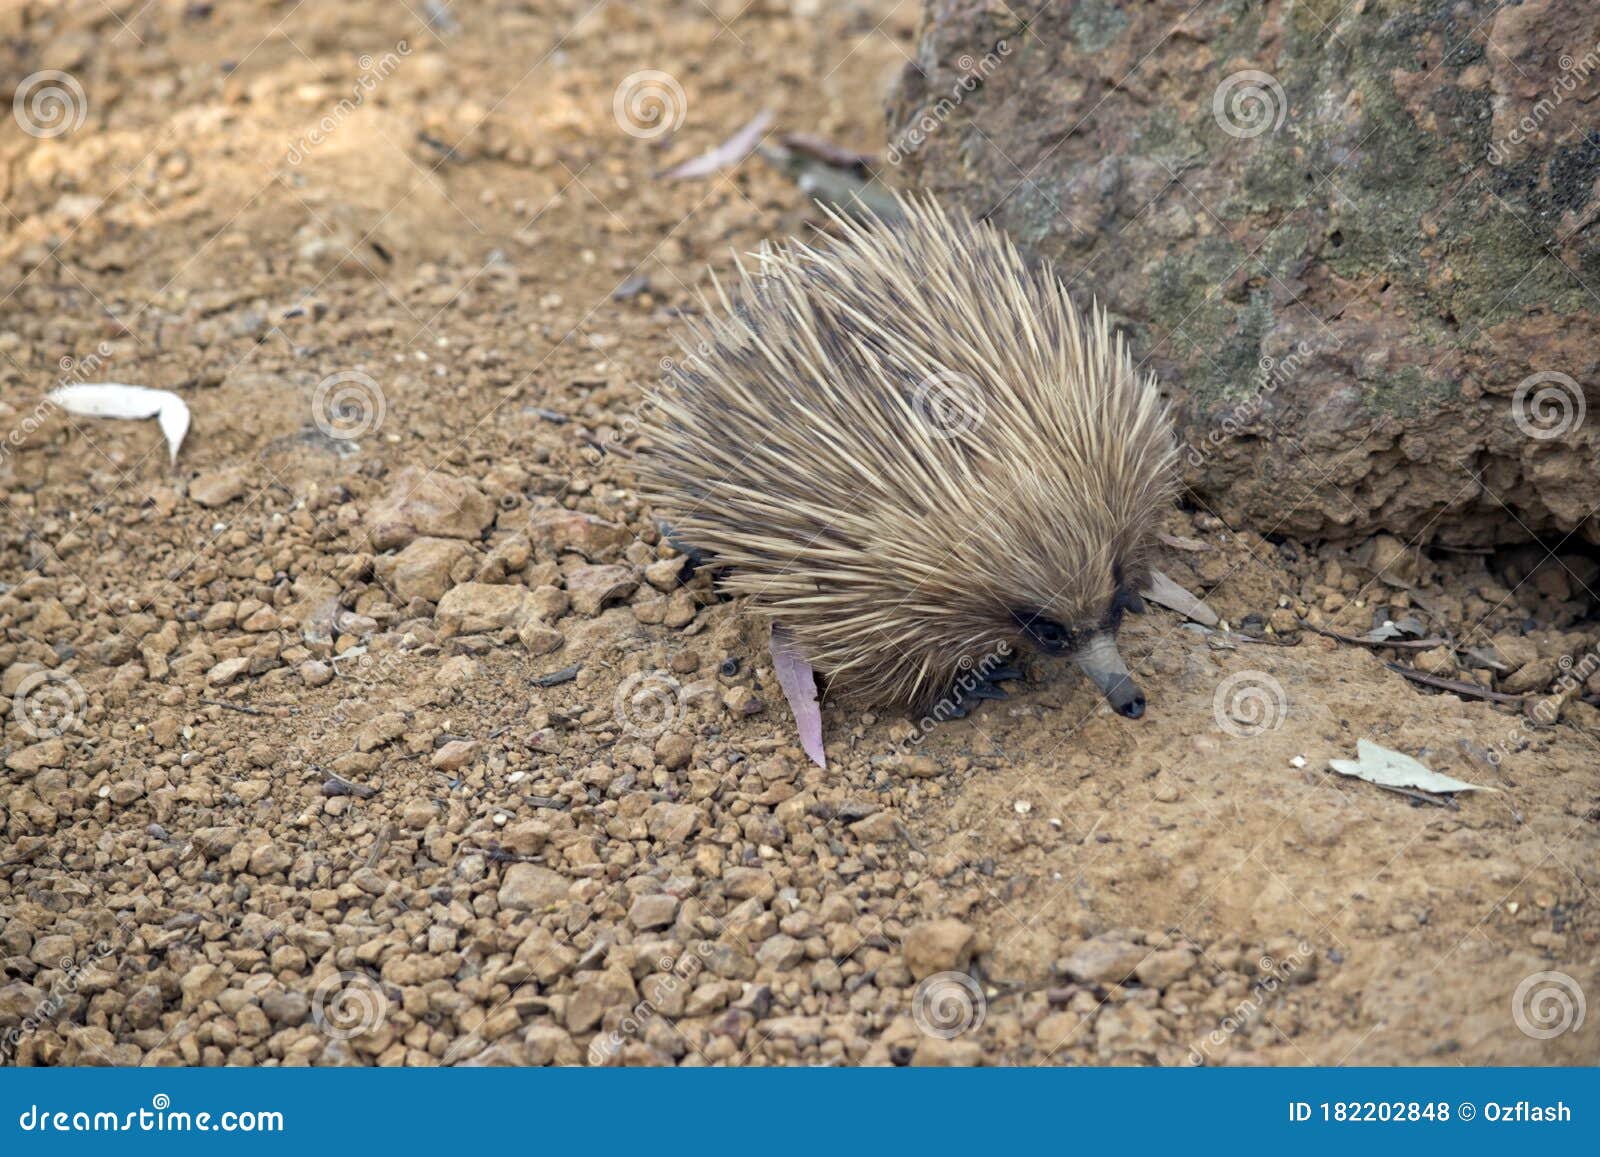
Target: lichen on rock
(1358, 242)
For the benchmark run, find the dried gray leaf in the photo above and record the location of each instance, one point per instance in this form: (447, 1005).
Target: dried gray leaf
(1387, 768)
(1164, 592)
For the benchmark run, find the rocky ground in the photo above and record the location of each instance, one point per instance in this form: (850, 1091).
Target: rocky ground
(384, 728)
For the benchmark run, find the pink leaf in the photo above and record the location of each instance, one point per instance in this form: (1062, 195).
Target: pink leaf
(729, 153)
(799, 685)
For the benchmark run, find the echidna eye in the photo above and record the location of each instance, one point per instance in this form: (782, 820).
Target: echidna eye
(1048, 633)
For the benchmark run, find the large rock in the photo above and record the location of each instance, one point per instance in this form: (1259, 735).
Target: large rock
(426, 568)
(422, 503)
(473, 607)
(1349, 249)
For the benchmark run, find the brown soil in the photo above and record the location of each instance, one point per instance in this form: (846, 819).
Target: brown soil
(273, 796)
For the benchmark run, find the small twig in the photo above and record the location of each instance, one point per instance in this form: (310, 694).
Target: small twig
(1439, 682)
(546, 801)
(604, 448)
(1261, 640)
(379, 844)
(1358, 641)
(337, 784)
(1419, 795)
(556, 678)
(501, 856)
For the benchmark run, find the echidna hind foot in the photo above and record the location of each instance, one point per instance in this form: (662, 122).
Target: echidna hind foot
(911, 450)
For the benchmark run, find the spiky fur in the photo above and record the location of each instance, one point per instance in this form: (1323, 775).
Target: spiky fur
(795, 442)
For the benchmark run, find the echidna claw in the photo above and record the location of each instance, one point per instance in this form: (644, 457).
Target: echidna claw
(964, 698)
(694, 558)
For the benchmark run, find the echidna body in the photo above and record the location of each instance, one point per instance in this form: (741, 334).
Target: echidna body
(912, 452)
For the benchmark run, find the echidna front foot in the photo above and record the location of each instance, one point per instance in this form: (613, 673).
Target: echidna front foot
(970, 689)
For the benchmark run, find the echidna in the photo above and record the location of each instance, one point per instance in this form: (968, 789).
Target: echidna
(910, 451)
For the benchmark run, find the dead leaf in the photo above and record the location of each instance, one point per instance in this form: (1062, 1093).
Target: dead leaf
(799, 685)
(1386, 768)
(1164, 592)
(729, 153)
(115, 400)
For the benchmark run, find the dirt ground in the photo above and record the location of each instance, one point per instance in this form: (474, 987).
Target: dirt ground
(380, 728)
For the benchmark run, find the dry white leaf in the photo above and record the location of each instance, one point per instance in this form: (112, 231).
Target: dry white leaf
(1378, 764)
(114, 400)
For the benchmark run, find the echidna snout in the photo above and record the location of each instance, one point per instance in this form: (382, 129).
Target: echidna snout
(1100, 660)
